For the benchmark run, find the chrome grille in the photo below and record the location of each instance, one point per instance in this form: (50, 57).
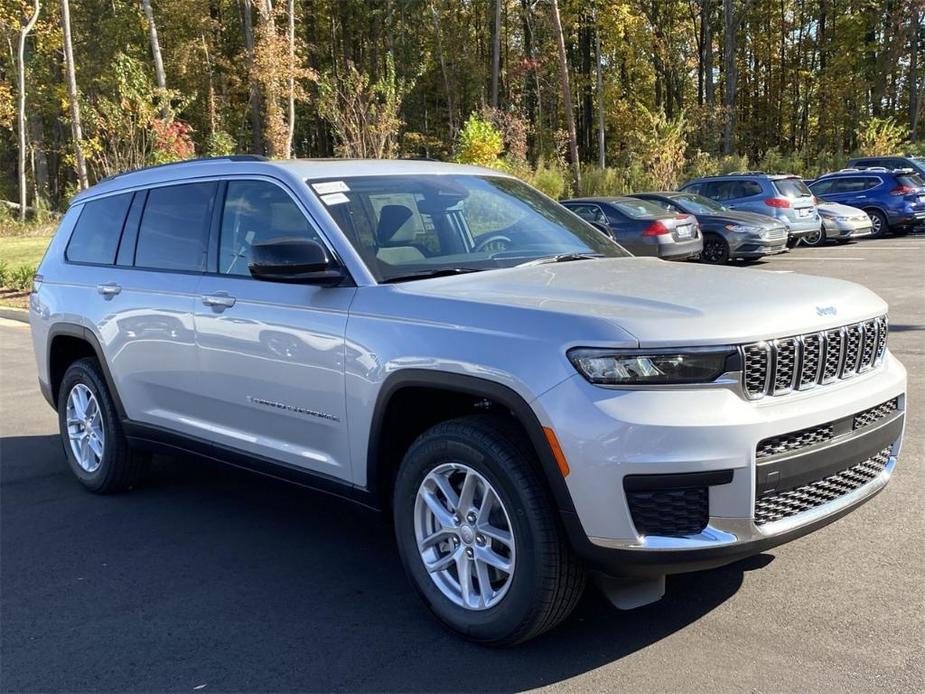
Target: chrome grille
(812, 351)
(803, 361)
(785, 365)
(833, 349)
(874, 414)
(782, 505)
(853, 338)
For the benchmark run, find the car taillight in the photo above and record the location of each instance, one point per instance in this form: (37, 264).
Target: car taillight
(777, 202)
(902, 190)
(656, 228)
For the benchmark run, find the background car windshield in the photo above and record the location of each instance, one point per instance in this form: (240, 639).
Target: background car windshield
(697, 204)
(638, 209)
(403, 225)
(792, 188)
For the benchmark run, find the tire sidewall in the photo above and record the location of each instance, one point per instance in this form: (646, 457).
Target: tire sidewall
(877, 216)
(82, 372)
(500, 620)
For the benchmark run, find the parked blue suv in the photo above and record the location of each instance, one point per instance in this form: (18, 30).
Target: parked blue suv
(893, 198)
(782, 196)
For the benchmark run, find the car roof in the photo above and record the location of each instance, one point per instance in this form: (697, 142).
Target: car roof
(663, 193)
(871, 171)
(306, 169)
(744, 174)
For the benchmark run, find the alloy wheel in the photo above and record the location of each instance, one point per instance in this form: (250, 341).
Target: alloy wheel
(85, 431)
(464, 536)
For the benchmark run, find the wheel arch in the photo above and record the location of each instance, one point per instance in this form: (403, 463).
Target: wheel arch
(68, 342)
(385, 448)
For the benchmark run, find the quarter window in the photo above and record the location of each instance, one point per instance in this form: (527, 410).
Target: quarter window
(174, 231)
(96, 234)
(256, 211)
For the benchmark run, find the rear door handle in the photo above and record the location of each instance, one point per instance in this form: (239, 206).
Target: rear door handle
(109, 289)
(220, 300)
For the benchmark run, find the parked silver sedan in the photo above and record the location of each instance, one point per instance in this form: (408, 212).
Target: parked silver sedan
(840, 223)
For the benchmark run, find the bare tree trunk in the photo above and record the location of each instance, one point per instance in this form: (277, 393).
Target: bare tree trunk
(729, 68)
(708, 92)
(290, 133)
(76, 132)
(159, 73)
(566, 92)
(21, 121)
(256, 120)
(601, 154)
(914, 105)
(451, 110)
(211, 103)
(496, 55)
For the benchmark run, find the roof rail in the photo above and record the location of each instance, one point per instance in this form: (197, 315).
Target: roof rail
(745, 173)
(198, 160)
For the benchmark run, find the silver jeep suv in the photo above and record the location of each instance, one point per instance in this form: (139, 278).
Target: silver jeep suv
(528, 401)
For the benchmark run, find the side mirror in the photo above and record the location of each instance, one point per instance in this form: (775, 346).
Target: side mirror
(602, 228)
(294, 260)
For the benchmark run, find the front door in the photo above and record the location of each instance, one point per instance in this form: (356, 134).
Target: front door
(271, 354)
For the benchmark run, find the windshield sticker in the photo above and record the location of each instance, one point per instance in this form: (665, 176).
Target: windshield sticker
(334, 199)
(330, 187)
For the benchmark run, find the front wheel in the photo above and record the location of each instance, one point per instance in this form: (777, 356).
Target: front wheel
(816, 238)
(715, 250)
(477, 535)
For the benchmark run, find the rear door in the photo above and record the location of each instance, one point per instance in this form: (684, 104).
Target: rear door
(271, 354)
(147, 328)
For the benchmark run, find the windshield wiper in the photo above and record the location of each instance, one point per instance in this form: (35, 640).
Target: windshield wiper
(437, 272)
(561, 258)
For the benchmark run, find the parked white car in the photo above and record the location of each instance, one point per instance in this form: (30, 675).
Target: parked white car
(841, 223)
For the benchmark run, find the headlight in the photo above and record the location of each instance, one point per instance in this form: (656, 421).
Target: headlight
(612, 367)
(743, 228)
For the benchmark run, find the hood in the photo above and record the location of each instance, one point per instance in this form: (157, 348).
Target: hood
(664, 303)
(740, 217)
(841, 210)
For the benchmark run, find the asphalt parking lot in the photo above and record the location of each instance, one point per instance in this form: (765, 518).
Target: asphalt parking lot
(210, 579)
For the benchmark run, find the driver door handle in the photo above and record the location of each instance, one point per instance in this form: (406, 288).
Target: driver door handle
(218, 300)
(109, 289)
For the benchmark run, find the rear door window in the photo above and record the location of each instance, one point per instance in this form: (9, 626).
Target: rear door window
(823, 187)
(746, 189)
(174, 231)
(96, 235)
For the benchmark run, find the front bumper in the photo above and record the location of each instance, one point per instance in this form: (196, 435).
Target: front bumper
(609, 435)
(846, 230)
(756, 247)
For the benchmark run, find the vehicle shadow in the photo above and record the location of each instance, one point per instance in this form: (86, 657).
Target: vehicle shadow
(214, 575)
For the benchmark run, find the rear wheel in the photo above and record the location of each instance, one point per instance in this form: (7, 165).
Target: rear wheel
(477, 535)
(96, 449)
(878, 223)
(715, 250)
(816, 238)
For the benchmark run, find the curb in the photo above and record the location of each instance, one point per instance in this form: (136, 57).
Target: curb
(17, 314)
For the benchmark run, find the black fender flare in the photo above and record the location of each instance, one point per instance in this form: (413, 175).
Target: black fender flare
(468, 385)
(85, 334)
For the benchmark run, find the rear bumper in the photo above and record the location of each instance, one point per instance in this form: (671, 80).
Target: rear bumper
(679, 250)
(714, 435)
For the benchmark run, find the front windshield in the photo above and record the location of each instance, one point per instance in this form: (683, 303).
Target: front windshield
(697, 204)
(404, 226)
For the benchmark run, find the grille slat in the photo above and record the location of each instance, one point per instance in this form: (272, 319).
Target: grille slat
(794, 441)
(874, 414)
(782, 505)
(803, 361)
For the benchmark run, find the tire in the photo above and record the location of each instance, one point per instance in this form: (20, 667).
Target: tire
(118, 468)
(715, 250)
(817, 238)
(546, 580)
(792, 242)
(879, 224)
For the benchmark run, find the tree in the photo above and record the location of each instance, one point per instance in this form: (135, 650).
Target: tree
(72, 95)
(566, 92)
(21, 110)
(159, 73)
(599, 70)
(732, 20)
(496, 54)
(292, 75)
